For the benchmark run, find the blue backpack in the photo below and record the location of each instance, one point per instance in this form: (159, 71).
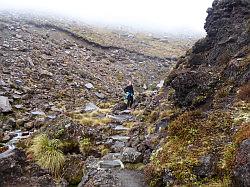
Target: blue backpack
(128, 94)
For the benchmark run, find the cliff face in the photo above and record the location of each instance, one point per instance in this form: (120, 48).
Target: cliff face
(219, 60)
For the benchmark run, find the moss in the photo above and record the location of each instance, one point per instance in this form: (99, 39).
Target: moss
(243, 133)
(198, 100)
(152, 87)
(153, 175)
(191, 135)
(138, 166)
(60, 133)
(103, 150)
(85, 145)
(227, 160)
(171, 92)
(153, 116)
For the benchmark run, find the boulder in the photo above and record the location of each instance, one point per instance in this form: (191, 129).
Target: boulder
(6, 138)
(15, 171)
(168, 178)
(120, 138)
(100, 95)
(241, 172)
(161, 125)
(101, 172)
(117, 146)
(5, 104)
(131, 155)
(160, 84)
(89, 86)
(45, 73)
(207, 166)
(119, 107)
(102, 178)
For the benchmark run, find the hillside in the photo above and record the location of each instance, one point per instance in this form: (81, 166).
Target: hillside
(60, 85)
(205, 107)
(63, 121)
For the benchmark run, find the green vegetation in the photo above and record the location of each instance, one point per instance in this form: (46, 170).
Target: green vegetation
(192, 135)
(85, 145)
(47, 153)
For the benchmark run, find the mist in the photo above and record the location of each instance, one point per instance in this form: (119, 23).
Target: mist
(178, 16)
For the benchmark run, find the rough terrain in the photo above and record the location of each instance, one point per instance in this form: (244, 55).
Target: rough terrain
(61, 87)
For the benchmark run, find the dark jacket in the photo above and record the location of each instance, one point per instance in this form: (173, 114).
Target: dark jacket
(129, 89)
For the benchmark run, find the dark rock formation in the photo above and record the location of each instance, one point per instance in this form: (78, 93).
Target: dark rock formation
(221, 58)
(15, 170)
(242, 165)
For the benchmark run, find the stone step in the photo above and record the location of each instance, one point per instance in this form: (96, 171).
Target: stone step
(121, 118)
(110, 164)
(121, 128)
(120, 138)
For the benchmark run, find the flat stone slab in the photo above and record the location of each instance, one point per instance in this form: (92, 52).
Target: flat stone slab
(120, 138)
(91, 107)
(121, 128)
(109, 164)
(125, 111)
(5, 104)
(38, 113)
(121, 118)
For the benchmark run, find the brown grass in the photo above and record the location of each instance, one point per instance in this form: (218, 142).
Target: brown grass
(243, 133)
(244, 92)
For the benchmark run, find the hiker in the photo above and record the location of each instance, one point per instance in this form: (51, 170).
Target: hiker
(129, 91)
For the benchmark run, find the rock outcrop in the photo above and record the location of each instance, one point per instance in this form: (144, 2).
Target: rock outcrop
(241, 174)
(220, 59)
(206, 106)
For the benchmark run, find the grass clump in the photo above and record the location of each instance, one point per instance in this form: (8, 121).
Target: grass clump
(47, 153)
(93, 118)
(85, 145)
(153, 116)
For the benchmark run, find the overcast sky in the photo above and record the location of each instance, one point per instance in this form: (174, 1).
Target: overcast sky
(151, 15)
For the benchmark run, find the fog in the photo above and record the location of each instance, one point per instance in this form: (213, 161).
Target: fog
(151, 15)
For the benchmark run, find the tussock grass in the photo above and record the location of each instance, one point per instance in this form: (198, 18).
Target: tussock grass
(47, 153)
(97, 117)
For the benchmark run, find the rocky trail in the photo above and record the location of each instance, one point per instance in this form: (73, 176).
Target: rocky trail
(110, 170)
(131, 178)
(51, 76)
(63, 119)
